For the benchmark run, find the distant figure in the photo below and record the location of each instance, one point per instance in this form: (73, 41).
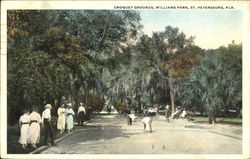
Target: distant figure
(183, 114)
(80, 114)
(147, 123)
(34, 131)
(167, 112)
(46, 121)
(24, 123)
(109, 109)
(61, 118)
(176, 114)
(70, 118)
(131, 118)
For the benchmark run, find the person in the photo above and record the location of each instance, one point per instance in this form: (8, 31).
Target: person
(80, 114)
(147, 123)
(183, 114)
(131, 118)
(109, 109)
(46, 121)
(70, 120)
(24, 122)
(61, 118)
(34, 131)
(167, 112)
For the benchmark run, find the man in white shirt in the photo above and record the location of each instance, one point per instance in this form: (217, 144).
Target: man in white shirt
(80, 114)
(46, 121)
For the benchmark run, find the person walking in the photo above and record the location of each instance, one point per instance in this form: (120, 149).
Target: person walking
(61, 118)
(80, 114)
(24, 122)
(46, 121)
(147, 123)
(70, 119)
(34, 131)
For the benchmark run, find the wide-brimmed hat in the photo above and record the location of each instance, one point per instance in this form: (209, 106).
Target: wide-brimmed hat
(48, 106)
(81, 104)
(69, 105)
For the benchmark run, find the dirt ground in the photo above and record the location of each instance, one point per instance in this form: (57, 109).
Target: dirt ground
(109, 134)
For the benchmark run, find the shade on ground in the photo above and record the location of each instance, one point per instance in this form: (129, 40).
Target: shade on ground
(108, 135)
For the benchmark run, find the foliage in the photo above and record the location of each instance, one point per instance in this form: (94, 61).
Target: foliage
(121, 106)
(212, 85)
(96, 104)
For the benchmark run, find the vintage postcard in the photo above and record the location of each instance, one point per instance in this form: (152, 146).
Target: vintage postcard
(125, 79)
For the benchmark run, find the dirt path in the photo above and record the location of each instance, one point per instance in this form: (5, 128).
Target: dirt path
(111, 134)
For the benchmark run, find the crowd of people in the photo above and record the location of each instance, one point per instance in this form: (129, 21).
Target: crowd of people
(30, 123)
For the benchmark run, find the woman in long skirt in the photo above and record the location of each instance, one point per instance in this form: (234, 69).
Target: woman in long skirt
(70, 119)
(24, 123)
(34, 131)
(61, 119)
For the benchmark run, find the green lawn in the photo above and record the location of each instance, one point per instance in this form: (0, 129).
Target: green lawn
(13, 147)
(220, 120)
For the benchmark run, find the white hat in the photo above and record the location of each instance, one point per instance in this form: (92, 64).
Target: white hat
(48, 106)
(69, 105)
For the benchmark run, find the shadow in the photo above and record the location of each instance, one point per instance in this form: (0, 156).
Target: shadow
(219, 122)
(97, 133)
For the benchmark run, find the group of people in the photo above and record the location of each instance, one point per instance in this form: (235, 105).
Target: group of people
(146, 121)
(30, 123)
(65, 118)
(30, 128)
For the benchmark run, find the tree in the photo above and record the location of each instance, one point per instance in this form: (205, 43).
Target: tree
(163, 51)
(212, 86)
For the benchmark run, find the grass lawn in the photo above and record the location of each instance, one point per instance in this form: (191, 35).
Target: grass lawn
(13, 147)
(220, 120)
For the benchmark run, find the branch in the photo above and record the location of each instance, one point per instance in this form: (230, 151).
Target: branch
(158, 70)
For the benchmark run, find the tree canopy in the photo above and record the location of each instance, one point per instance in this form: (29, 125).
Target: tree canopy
(91, 56)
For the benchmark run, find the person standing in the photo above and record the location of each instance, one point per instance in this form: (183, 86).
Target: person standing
(34, 131)
(24, 122)
(167, 112)
(46, 121)
(70, 119)
(61, 118)
(80, 114)
(147, 123)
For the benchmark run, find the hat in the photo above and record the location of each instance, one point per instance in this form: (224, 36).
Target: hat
(81, 104)
(48, 106)
(69, 105)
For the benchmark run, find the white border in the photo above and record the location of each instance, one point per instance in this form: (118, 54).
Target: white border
(241, 5)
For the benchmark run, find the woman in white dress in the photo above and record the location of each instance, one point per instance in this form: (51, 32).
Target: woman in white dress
(61, 118)
(70, 118)
(24, 123)
(34, 130)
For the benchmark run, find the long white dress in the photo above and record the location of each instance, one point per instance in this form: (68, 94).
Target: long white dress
(61, 118)
(70, 119)
(34, 131)
(24, 133)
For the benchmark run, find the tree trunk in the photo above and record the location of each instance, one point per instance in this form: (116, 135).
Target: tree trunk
(214, 118)
(210, 117)
(172, 96)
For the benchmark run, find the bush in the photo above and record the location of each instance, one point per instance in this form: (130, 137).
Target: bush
(121, 106)
(95, 104)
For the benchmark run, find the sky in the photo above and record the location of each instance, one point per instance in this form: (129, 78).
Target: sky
(212, 28)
